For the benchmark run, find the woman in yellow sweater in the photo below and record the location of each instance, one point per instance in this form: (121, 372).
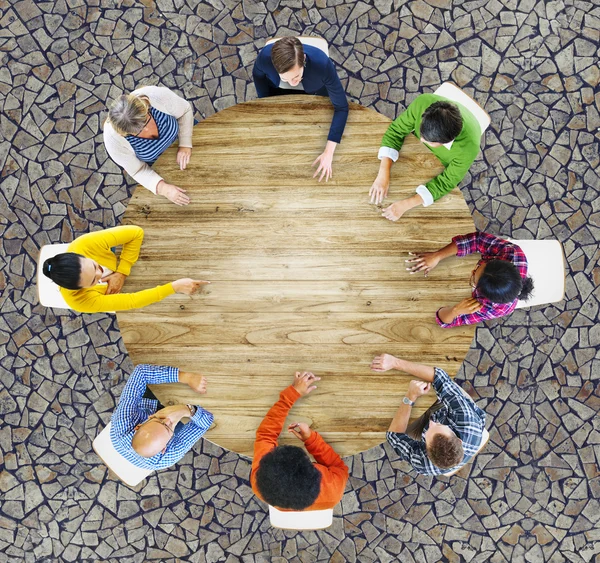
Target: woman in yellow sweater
(91, 279)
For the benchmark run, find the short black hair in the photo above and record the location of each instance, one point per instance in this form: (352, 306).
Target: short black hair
(441, 122)
(501, 282)
(64, 269)
(286, 478)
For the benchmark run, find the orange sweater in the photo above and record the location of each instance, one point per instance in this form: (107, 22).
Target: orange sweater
(334, 472)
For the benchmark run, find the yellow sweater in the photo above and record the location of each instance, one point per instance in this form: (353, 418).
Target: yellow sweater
(97, 246)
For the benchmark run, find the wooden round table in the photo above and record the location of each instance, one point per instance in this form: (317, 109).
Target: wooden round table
(305, 275)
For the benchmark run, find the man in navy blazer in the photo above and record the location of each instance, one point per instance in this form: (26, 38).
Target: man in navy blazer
(303, 68)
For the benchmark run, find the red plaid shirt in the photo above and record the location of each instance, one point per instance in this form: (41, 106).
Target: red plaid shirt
(491, 248)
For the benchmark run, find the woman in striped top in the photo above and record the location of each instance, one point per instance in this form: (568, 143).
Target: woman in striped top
(141, 126)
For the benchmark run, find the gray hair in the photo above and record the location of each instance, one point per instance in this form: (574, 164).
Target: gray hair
(128, 114)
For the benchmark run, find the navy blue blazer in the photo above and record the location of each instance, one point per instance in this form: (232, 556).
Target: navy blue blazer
(320, 78)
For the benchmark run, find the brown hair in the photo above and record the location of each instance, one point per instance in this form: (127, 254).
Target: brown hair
(445, 451)
(287, 53)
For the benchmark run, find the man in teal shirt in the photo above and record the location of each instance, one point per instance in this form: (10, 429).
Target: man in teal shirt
(448, 130)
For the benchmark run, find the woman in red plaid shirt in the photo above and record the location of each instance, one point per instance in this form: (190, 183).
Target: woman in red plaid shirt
(499, 280)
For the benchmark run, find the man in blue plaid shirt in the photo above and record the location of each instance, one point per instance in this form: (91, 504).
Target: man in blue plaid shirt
(448, 434)
(148, 434)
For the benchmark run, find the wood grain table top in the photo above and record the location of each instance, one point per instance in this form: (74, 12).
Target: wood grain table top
(305, 275)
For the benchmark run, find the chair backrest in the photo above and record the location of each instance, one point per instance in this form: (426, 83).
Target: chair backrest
(454, 93)
(301, 520)
(49, 294)
(485, 436)
(125, 470)
(317, 42)
(546, 266)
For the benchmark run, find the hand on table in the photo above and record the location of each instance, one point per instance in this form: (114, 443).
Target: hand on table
(173, 193)
(416, 388)
(303, 382)
(301, 430)
(385, 362)
(183, 157)
(379, 189)
(195, 381)
(325, 160)
(114, 283)
(188, 286)
(423, 262)
(395, 211)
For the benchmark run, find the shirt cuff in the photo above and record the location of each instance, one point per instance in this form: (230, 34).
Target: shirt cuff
(388, 152)
(425, 194)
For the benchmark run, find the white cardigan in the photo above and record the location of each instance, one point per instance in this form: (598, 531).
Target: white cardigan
(122, 152)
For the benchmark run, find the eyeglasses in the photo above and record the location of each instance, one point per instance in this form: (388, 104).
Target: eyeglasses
(145, 124)
(472, 280)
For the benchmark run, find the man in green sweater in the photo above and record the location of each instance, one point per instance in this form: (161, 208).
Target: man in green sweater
(448, 130)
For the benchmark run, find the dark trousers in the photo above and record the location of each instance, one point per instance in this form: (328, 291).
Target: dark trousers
(415, 429)
(149, 395)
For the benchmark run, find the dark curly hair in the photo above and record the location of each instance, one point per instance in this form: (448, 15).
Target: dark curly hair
(64, 269)
(501, 282)
(286, 478)
(445, 451)
(441, 122)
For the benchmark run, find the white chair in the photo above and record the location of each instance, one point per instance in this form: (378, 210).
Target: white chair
(546, 266)
(49, 294)
(455, 94)
(317, 42)
(485, 436)
(301, 520)
(125, 470)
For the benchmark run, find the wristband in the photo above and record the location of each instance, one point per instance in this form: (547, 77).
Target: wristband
(408, 402)
(192, 410)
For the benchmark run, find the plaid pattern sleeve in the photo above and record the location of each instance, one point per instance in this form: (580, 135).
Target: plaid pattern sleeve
(464, 417)
(133, 409)
(491, 248)
(413, 451)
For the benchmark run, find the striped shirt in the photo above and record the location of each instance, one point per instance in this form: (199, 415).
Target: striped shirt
(133, 409)
(459, 412)
(490, 247)
(148, 150)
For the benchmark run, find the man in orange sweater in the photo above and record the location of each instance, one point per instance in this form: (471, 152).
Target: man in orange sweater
(284, 476)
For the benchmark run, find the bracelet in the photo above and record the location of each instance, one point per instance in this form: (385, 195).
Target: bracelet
(192, 410)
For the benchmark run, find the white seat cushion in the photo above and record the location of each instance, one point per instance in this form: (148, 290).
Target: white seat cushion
(454, 93)
(546, 266)
(301, 520)
(49, 293)
(121, 467)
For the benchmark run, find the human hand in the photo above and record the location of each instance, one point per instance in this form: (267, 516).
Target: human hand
(303, 381)
(188, 286)
(183, 157)
(114, 282)
(395, 211)
(193, 380)
(379, 189)
(325, 160)
(385, 362)
(171, 415)
(417, 388)
(172, 193)
(423, 262)
(466, 307)
(301, 430)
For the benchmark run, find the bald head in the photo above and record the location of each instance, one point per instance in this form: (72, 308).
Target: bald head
(150, 438)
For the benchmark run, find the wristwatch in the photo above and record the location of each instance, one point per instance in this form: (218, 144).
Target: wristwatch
(192, 410)
(408, 402)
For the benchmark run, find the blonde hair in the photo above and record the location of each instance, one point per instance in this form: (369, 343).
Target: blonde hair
(128, 114)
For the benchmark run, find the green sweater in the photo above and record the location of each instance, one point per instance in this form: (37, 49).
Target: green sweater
(457, 159)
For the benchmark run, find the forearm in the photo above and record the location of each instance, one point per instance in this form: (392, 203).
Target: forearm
(400, 421)
(421, 371)
(385, 167)
(447, 314)
(330, 147)
(448, 251)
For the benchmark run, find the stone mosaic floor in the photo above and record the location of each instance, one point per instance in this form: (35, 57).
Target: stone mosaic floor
(533, 496)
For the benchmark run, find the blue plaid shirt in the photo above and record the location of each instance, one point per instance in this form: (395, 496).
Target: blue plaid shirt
(133, 409)
(459, 412)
